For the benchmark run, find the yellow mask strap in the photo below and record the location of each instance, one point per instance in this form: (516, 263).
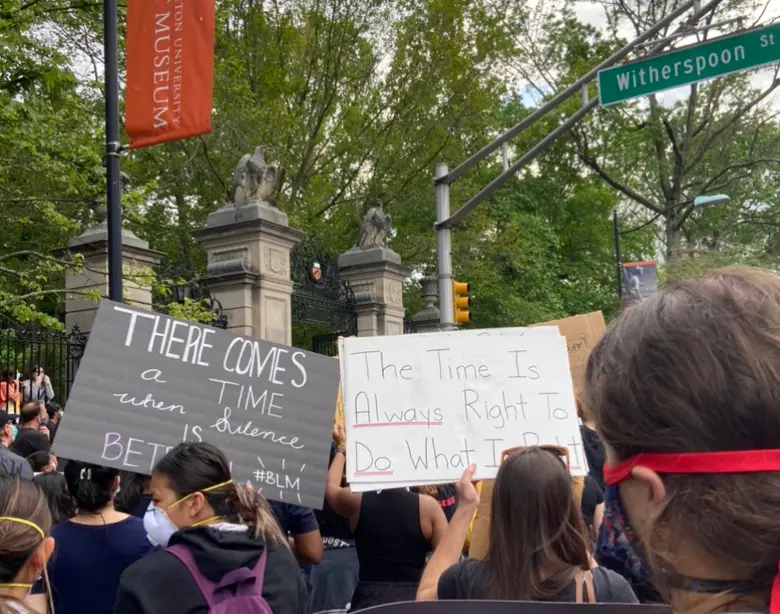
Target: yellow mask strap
(208, 520)
(15, 585)
(210, 488)
(24, 522)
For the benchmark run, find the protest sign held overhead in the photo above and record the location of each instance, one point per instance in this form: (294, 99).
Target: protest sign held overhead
(148, 382)
(420, 408)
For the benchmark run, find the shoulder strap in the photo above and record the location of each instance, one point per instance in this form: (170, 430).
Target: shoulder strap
(589, 587)
(206, 586)
(580, 578)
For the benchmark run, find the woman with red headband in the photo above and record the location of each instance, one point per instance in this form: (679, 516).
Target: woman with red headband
(685, 388)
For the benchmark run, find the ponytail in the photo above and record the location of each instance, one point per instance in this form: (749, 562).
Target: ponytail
(248, 507)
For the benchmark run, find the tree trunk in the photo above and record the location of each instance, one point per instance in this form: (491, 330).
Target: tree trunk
(673, 238)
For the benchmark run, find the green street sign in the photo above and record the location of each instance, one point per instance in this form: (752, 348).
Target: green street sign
(714, 58)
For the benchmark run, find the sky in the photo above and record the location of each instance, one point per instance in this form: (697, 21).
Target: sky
(593, 14)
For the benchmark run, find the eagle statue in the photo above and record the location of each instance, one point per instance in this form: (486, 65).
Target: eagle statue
(254, 181)
(374, 228)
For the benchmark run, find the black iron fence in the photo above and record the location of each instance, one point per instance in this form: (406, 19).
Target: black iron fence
(57, 353)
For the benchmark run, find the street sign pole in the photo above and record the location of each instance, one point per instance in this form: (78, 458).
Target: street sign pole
(715, 58)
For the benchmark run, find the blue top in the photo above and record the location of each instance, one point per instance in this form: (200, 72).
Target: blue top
(294, 519)
(88, 560)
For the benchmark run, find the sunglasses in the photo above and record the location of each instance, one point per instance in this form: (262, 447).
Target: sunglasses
(561, 452)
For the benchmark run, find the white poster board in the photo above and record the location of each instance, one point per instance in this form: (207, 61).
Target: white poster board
(420, 408)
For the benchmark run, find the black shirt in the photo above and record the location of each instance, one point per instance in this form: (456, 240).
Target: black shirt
(594, 452)
(469, 579)
(592, 496)
(30, 440)
(390, 544)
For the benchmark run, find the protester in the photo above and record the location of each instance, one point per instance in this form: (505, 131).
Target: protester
(594, 451)
(55, 488)
(300, 525)
(33, 436)
(592, 506)
(37, 387)
(394, 532)
(97, 543)
(333, 581)
(217, 527)
(443, 493)
(10, 395)
(42, 462)
(10, 462)
(24, 526)
(685, 389)
(55, 412)
(135, 496)
(538, 546)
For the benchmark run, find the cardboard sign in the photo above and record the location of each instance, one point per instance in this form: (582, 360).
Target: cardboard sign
(515, 607)
(421, 408)
(582, 332)
(339, 417)
(148, 382)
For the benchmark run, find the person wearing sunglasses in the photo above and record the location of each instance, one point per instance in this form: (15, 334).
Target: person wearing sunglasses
(685, 389)
(537, 540)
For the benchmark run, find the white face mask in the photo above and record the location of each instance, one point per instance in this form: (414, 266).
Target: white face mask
(158, 526)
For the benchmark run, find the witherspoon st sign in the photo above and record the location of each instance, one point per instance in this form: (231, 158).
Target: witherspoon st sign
(712, 59)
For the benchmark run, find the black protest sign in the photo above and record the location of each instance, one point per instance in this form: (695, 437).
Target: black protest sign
(514, 607)
(148, 382)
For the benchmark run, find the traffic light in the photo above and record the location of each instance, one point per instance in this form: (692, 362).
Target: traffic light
(461, 302)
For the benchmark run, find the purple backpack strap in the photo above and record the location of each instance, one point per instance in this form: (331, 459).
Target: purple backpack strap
(206, 586)
(238, 577)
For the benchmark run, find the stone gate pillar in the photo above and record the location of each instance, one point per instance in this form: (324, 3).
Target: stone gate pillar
(137, 263)
(248, 246)
(376, 275)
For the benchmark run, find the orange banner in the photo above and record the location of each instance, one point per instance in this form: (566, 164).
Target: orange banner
(170, 70)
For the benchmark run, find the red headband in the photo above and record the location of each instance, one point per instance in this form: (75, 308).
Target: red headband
(743, 461)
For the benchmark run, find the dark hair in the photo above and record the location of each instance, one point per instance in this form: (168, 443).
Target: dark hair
(19, 499)
(696, 368)
(55, 488)
(39, 460)
(9, 373)
(91, 486)
(34, 371)
(133, 486)
(194, 467)
(535, 523)
(30, 411)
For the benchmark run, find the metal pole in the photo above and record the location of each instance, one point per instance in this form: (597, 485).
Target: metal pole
(565, 94)
(113, 180)
(505, 155)
(618, 263)
(526, 159)
(444, 246)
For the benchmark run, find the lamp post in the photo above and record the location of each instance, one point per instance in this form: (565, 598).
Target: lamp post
(699, 202)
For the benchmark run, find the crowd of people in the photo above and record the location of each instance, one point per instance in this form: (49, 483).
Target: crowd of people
(678, 412)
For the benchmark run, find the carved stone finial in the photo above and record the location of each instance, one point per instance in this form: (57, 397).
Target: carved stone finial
(254, 181)
(374, 228)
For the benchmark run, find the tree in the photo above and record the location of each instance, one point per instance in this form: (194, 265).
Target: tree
(722, 137)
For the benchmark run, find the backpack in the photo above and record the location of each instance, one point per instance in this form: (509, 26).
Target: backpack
(238, 592)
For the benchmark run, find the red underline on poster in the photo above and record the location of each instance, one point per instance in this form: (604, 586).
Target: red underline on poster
(376, 424)
(370, 473)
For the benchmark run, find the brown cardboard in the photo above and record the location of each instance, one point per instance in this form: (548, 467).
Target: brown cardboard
(582, 333)
(339, 416)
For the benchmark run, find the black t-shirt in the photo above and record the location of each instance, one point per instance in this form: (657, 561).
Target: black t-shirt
(469, 579)
(30, 440)
(592, 496)
(594, 452)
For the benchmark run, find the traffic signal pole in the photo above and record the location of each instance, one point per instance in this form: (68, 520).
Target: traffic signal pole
(443, 177)
(444, 250)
